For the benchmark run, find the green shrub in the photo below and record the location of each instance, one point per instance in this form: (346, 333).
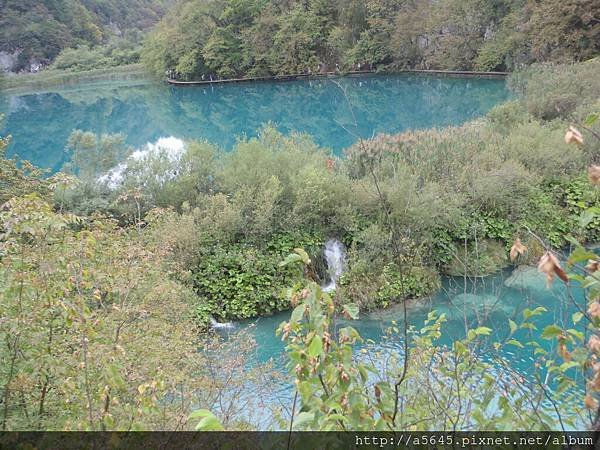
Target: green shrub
(477, 258)
(508, 115)
(578, 195)
(547, 219)
(550, 91)
(240, 282)
(412, 283)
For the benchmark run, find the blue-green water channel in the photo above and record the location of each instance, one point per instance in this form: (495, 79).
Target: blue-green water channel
(41, 123)
(467, 304)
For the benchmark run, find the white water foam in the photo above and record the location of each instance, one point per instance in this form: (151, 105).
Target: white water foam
(335, 256)
(221, 326)
(170, 148)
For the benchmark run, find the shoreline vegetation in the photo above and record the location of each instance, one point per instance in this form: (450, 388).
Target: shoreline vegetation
(253, 39)
(113, 270)
(133, 269)
(56, 79)
(20, 84)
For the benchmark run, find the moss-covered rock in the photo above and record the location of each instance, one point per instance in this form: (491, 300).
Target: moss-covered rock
(478, 259)
(526, 277)
(371, 291)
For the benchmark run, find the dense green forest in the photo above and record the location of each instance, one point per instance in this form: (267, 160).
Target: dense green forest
(231, 38)
(227, 38)
(109, 283)
(36, 31)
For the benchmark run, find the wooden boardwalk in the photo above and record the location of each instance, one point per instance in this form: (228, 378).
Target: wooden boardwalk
(301, 76)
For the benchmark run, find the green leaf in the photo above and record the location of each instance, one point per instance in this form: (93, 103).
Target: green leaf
(572, 240)
(579, 255)
(528, 313)
(208, 422)
(303, 255)
(200, 414)
(591, 119)
(513, 326)
(292, 258)
(551, 331)
(460, 348)
(587, 217)
(298, 313)
(316, 347)
(578, 334)
(483, 331)
(568, 365)
(303, 418)
(577, 318)
(351, 311)
(515, 343)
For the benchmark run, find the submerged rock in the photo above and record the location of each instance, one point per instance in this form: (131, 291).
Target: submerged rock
(477, 303)
(526, 277)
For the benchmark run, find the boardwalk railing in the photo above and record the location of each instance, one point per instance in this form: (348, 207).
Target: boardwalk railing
(301, 76)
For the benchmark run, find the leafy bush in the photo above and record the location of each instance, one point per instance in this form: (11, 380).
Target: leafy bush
(119, 52)
(94, 354)
(413, 283)
(551, 91)
(506, 116)
(479, 258)
(579, 196)
(239, 282)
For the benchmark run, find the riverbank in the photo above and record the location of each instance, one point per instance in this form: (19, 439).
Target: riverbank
(38, 82)
(310, 76)
(53, 80)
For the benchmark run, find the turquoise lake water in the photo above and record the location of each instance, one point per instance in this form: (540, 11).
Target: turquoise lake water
(41, 123)
(467, 304)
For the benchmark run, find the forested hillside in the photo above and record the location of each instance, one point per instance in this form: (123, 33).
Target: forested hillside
(33, 32)
(262, 37)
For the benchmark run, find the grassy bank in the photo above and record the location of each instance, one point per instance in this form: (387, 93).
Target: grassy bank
(54, 78)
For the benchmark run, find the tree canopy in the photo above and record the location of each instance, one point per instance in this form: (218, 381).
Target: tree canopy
(226, 38)
(37, 30)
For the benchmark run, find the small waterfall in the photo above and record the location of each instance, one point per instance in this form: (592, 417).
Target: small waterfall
(221, 326)
(335, 256)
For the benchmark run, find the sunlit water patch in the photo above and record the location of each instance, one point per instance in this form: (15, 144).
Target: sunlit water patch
(334, 113)
(467, 304)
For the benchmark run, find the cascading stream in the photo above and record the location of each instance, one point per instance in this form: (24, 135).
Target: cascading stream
(335, 256)
(221, 326)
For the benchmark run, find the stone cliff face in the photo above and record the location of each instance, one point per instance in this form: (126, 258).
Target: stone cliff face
(10, 61)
